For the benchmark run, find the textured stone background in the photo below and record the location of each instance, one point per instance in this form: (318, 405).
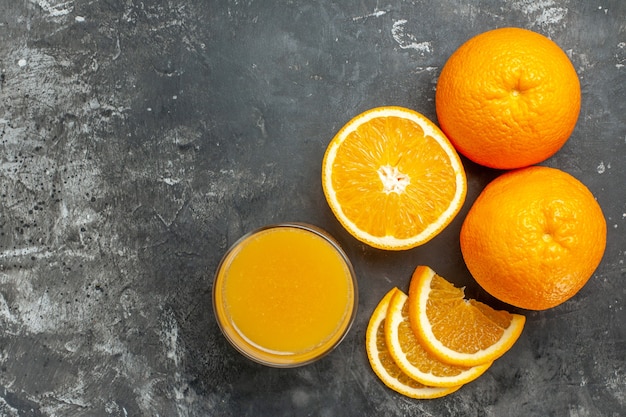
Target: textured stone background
(139, 139)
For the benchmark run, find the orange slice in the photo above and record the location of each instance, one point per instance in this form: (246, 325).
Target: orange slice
(382, 363)
(456, 330)
(413, 359)
(392, 178)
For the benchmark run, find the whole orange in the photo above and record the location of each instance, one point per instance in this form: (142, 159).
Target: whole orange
(508, 98)
(534, 237)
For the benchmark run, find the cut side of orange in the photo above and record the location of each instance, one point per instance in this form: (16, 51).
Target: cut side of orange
(454, 329)
(412, 358)
(383, 364)
(392, 178)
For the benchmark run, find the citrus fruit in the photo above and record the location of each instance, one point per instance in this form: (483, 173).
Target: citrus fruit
(392, 178)
(454, 329)
(534, 237)
(383, 365)
(508, 98)
(412, 358)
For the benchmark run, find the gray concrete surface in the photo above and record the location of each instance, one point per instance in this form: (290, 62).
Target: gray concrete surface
(139, 139)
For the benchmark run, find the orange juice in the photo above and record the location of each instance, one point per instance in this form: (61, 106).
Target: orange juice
(285, 295)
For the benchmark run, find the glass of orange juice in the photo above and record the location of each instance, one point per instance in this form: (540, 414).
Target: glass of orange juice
(285, 295)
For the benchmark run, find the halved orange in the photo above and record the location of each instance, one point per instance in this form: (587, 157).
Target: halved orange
(383, 365)
(413, 359)
(454, 329)
(392, 178)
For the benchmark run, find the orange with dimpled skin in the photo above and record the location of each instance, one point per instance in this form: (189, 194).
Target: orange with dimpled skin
(534, 237)
(508, 98)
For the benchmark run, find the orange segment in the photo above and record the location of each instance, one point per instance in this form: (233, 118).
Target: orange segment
(456, 330)
(383, 364)
(413, 359)
(392, 178)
